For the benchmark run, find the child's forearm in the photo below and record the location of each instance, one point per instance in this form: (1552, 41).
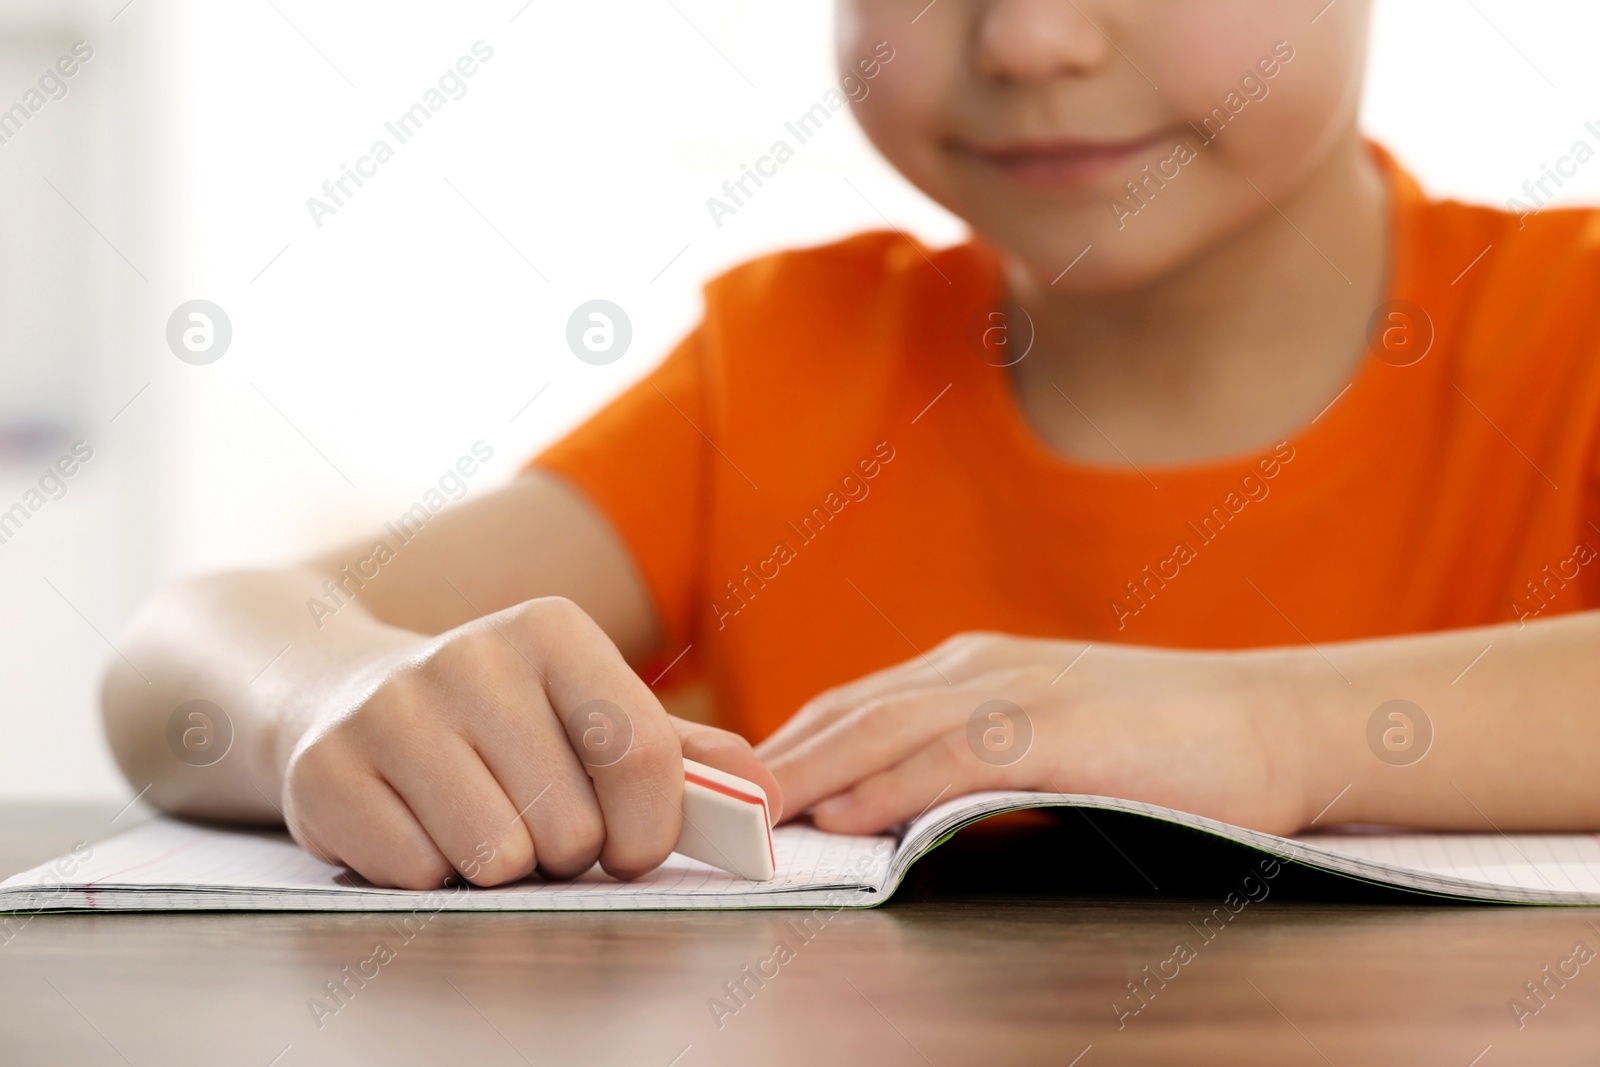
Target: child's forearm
(274, 650)
(245, 643)
(1501, 730)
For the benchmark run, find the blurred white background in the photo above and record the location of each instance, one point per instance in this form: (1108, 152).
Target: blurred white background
(429, 310)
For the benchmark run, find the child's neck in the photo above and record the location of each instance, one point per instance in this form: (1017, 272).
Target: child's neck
(1227, 354)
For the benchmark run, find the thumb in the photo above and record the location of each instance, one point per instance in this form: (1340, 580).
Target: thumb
(727, 751)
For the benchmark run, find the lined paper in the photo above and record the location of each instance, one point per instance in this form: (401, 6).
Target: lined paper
(167, 864)
(1564, 864)
(171, 864)
(1506, 868)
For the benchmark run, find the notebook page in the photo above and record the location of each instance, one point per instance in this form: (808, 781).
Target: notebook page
(172, 864)
(1523, 868)
(1555, 863)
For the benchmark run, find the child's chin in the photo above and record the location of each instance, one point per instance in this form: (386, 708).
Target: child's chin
(1089, 263)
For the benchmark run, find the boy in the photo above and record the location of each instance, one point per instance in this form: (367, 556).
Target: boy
(1217, 441)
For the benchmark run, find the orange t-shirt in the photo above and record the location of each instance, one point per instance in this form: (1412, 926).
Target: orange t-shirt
(824, 478)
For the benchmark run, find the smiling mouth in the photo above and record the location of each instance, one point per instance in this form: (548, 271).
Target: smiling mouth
(1060, 162)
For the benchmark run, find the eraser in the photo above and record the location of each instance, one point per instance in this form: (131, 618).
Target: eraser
(726, 823)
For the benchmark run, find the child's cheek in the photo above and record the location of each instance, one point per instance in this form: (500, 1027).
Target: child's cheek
(910, 73)
(910, 108)
(1199, 50)
(1279, 137)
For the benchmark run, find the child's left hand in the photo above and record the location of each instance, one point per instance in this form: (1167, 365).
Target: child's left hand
(1195, 731)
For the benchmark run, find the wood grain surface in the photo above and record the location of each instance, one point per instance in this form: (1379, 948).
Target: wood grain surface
(946, 974)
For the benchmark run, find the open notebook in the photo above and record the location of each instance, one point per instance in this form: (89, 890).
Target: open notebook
(171, 865)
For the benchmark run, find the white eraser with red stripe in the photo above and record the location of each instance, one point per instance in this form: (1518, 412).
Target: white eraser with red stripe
(725, 823)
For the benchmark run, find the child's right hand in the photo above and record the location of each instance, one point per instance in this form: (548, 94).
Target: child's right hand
(516, 742)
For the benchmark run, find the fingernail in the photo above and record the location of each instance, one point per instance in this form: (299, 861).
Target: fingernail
(834, 805)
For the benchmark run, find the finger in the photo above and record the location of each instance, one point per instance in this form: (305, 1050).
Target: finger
(374, 834)
(869, 739)
(941, 770)
(727, 751)
(617, 728)
(527, 751)
(960, 660)
(826, 708)
(463, 809)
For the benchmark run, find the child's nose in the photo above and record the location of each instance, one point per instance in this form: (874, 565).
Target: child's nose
(1036, 40)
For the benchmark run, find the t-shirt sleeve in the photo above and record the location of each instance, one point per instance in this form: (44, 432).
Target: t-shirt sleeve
(641, 461)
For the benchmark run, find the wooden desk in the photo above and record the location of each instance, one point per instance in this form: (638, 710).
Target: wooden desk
(943, 982)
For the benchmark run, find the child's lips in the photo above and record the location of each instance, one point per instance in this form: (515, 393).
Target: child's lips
(1060, 162)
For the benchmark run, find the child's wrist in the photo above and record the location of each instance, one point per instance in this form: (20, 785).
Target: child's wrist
(1297, 714)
